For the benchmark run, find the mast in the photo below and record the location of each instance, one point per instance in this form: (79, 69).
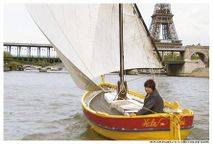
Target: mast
(122, 85)
(121, 43)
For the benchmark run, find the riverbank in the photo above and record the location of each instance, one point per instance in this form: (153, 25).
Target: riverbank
(200, 72)
(20, 63)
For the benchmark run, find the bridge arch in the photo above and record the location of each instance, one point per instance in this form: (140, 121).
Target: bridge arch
(201, 52)
(198, 55)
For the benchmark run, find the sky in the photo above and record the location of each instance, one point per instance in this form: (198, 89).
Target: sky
(191, 22)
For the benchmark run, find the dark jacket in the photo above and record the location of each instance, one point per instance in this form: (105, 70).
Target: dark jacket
(154, 102)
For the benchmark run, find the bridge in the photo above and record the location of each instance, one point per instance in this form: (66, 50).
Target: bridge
(174, 51)
(25, 49)
(31, 51)
(189, 58)
(186, 53)
(197, 50)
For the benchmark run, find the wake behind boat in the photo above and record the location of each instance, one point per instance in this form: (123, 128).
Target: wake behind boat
(86, 38)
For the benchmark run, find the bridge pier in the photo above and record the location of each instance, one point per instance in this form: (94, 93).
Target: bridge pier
(39, 52)
(182, 55)
(18, 51)
(29, 51)
(191, 65)
(174, 69)
(48, 52)
(184, 69)
(9, 49)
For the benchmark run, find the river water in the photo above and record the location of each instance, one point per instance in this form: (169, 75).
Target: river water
(47, 106)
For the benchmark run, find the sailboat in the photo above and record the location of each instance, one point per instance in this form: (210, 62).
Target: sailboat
(95, 39)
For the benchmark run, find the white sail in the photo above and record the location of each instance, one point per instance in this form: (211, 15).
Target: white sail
(138, 49)
(86, 37)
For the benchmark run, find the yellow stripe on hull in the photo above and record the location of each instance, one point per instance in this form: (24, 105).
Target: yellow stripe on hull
(145, 135)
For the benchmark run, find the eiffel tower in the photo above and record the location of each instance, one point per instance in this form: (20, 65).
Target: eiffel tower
(162, 28)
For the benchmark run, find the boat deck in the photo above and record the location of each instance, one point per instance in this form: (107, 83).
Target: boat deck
(98, 103)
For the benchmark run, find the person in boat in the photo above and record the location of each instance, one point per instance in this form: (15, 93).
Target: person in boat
(153, 102)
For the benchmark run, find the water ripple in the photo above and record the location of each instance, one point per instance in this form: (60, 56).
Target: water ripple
(41, 106)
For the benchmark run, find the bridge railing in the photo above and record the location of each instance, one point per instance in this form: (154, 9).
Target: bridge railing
(17, 49)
